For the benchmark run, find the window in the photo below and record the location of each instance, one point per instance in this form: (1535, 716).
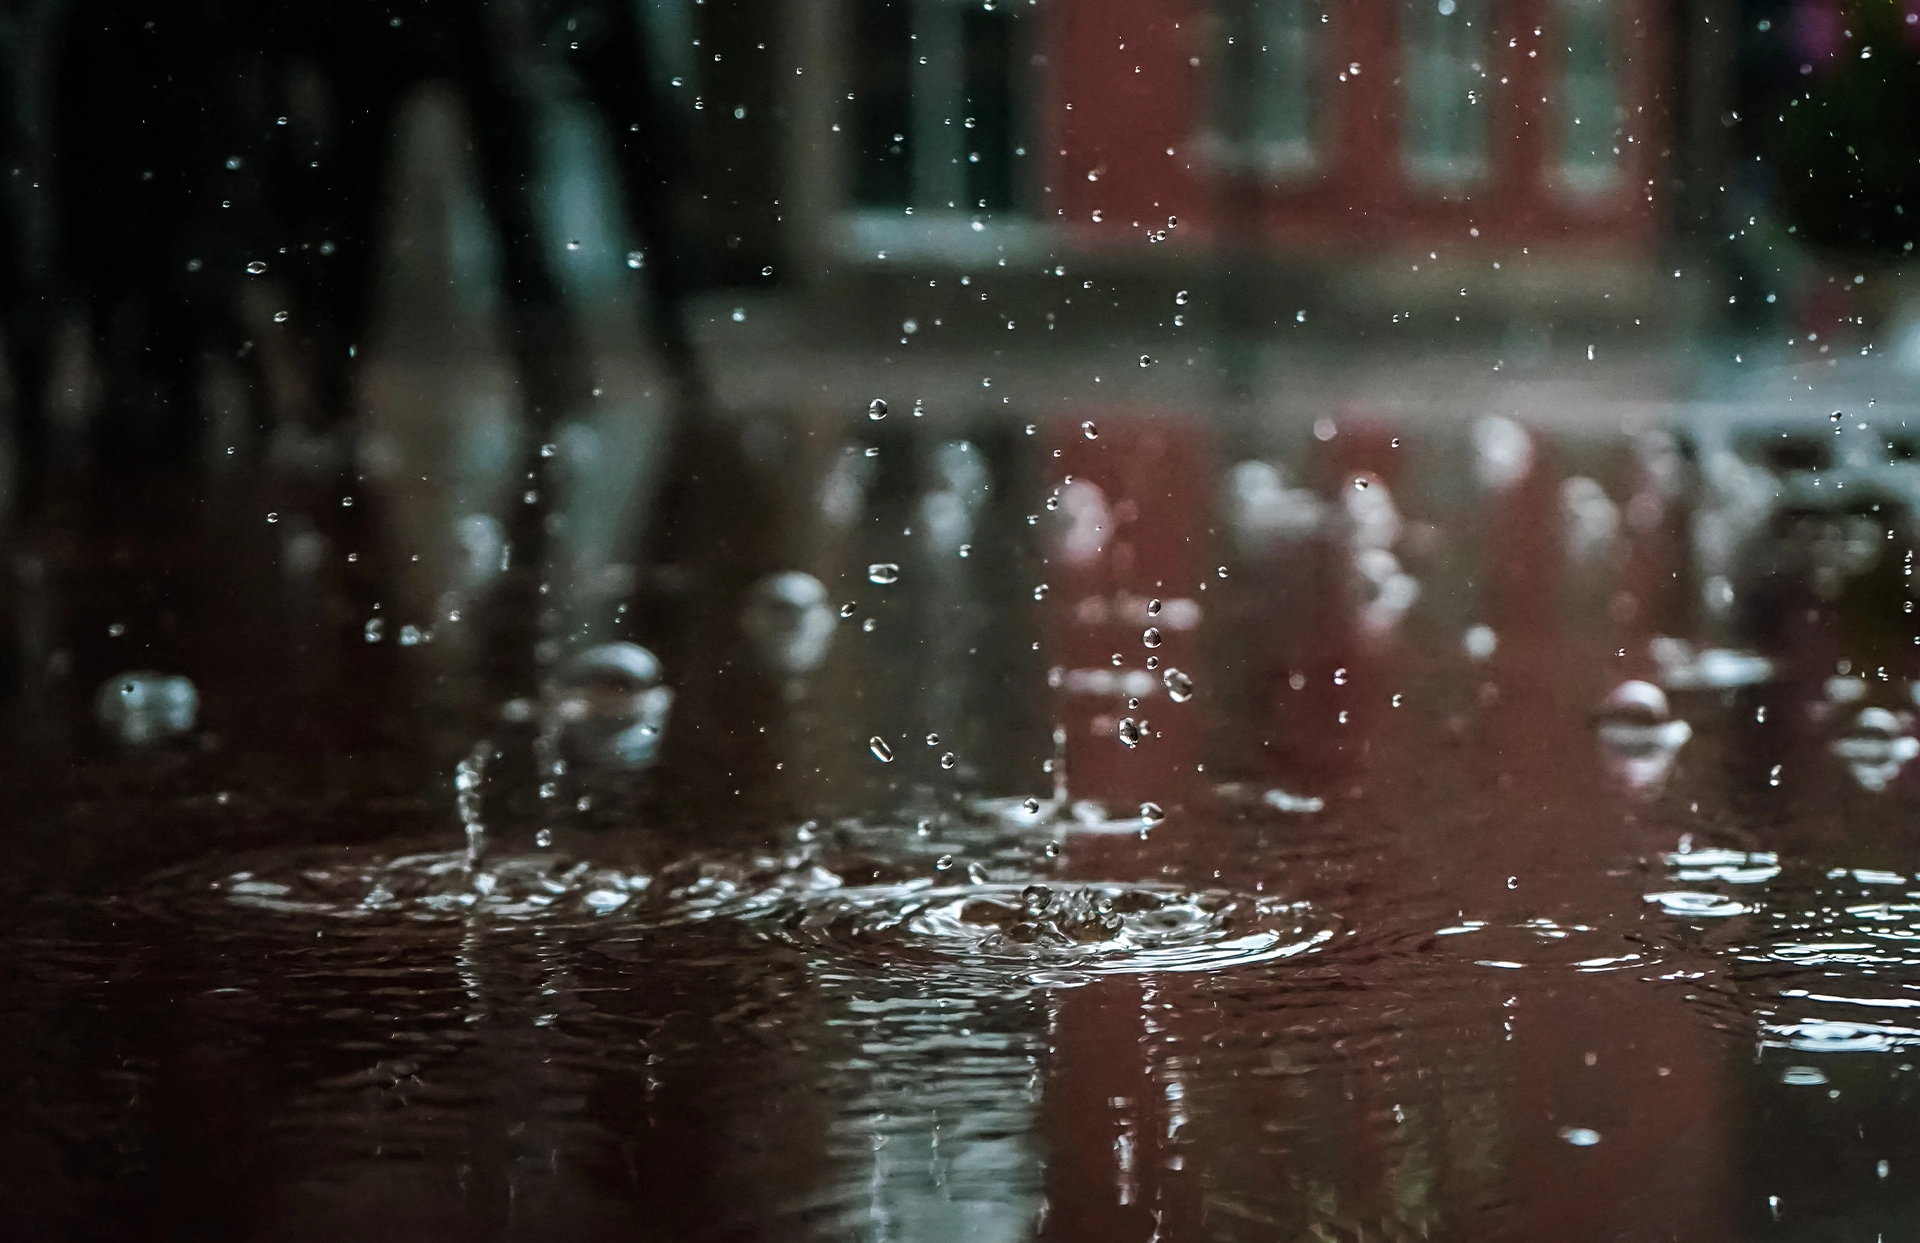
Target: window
(1271, 108)
(1590, 112)
(936, 121)
(1443, 128)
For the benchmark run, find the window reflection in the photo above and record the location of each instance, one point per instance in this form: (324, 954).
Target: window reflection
(1272, 102)
(1590, 112)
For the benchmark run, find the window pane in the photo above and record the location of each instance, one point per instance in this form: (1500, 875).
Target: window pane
(1590, 99)
(1444, 111)
(880, 76)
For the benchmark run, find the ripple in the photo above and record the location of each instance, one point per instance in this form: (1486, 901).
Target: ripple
(1054, 931)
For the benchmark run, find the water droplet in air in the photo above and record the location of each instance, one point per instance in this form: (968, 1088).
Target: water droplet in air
(257, 267)
(1035, 899)
(1150, 813)
(883, 573)
(943, 863)
(1052, 850)
(1032, 805)
(881, 751)
(375, 628)
(1091, 432)
(1040, 592)
(1146, 360)
(1339, 677)
(635, 259)
(1360, 483)
(1222, 571)
(1579, 1136)
(1834, 417)
(1153, 608)
(279, 317)
(1151, 636)
(876, 409)
(1129, 732)
(933, 740)
(947, 760)
(1153, 662)
(543, 839)
(1179, 685)
(1773, 778)
(1180, 299)
(273, 517)
(848, 609)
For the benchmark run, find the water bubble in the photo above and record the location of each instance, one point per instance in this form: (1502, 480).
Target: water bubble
(883, 573)
(257, 267)
(1129, 732)
(788, 622)
(881, 751)
(1150, 813)
(1089, 430)
(144, 706)
(1179, 685)
(876, 409)
(947, 760)
(1151, 636)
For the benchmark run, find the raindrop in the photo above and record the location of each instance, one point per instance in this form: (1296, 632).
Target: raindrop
(943, 864)
(1146, 360)
(933, 740)
(273, 517)
(876, 409)
(881, 751)
(1130, 732)
(1035, 899)
(1151, 636)
(257, 267)
(1153, 662)
(1089, 430)
(1150, 813)
(1052, 850)
(573, 244)
(635, 259)
(1395, 442)
(1773, 778)
(1359, 483)
(1340, 677)
(279, 317)
(543, 839)
(1179, 685)
(1222, 571)
(1180, 299)
(1153, 608)
(883, 573)
(1032, 805)
(1834, 417)
(947, 760)
(1173, 222)
(1579, 1136)
(1040, 592)
(374, 629)
(739, 314)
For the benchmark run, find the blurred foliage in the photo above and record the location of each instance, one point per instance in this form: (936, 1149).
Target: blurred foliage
(1845, 137)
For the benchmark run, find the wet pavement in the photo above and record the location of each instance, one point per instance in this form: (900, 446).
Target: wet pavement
(1110, 822)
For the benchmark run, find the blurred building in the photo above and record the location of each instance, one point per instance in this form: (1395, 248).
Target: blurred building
(1371, 150)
